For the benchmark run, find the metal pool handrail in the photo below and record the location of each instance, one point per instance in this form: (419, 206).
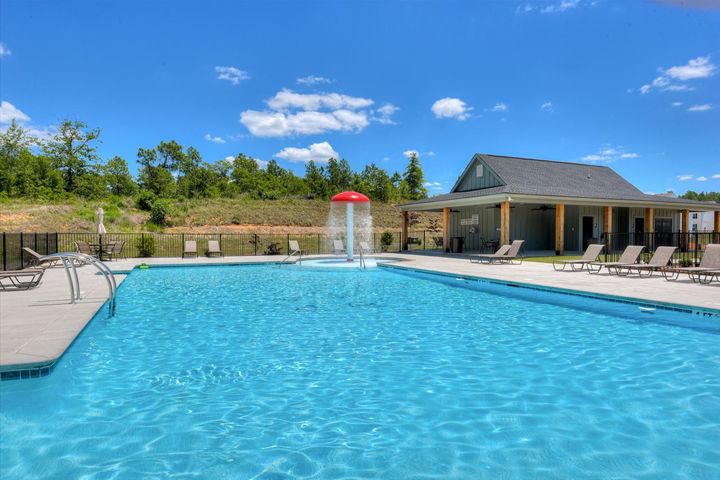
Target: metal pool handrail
(69, 262)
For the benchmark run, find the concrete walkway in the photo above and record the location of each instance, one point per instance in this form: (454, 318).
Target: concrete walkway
(38, 325)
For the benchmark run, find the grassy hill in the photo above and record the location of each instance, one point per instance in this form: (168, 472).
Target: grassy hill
(202, 216)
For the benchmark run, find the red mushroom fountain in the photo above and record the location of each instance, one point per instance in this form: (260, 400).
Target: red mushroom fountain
(350, 199)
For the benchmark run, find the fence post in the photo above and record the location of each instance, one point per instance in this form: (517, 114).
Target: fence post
(257, 239)
(318, 244)
(287, 243)
(47, 243)
(22, 258)
(4, 253)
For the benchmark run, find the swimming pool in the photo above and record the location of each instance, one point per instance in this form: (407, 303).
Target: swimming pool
(285, 372)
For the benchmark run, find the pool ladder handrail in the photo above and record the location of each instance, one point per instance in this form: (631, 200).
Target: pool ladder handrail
(292, 254)
(70, 260)
(362, 258)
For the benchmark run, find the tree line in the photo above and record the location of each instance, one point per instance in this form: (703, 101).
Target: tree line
(68, 164)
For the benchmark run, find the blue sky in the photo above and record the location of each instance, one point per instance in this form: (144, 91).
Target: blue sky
(633, 85)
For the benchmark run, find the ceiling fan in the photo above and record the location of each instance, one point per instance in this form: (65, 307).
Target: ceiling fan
(543, 208)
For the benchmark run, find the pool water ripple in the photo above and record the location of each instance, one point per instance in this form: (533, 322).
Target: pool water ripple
(277, 372)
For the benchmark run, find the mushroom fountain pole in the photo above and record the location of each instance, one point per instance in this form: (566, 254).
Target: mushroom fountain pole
(350, 199)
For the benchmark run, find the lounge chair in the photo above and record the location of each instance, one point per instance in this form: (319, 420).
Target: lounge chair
(37, 260)
(21, 279)
(505, 254)
(190, 249)
(710, 262)
(365, 248)
(659, 261)
(629, 257)
(295, 249)
(591, 255)
(213, 249)
(338, 247)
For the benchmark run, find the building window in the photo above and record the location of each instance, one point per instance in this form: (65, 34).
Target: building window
(694, 227)
(479, 171)
(695, 215)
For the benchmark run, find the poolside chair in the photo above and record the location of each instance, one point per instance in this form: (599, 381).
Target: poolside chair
(190, 249)
(214, 249)
(365, 248)
(629, 257)
(37, 260)
(84, 248)
(117, 250)
(710, 263)
(21, 279)
(591, 254)
(295, 249)
(659, 261)
(504, 255)
(338, 247)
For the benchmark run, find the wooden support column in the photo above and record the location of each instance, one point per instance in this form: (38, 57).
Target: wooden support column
(684, 229)
(716, 227)
(607, 228)
(685, 221)
(559, 229)
(404, 235)
(505, 223)
(649, 220)
(446, 229)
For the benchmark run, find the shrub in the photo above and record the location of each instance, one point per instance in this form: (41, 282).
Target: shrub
(159, 211)
(145, 200)
(386, 240)
(145, 245)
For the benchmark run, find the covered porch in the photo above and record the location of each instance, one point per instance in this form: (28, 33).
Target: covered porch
(553, 226)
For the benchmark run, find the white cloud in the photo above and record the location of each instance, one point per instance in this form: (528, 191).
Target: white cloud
(499, 107)
(385, 113)
(701, 179)
(4, 51)
(686, 177)
(451, 108)
(280, 124)
(560, 6)
(318, 152)
(700, 108)
(410, 153)
(677, 104)
(9, 112)
(261, 163)
(608, 154)
(430, 153)
(433, 185)
(287, 99)
(524, 8)
(699, 67)
(547, 107)
(313, 80)
(231, 74)
(212, 139)
(716, 176)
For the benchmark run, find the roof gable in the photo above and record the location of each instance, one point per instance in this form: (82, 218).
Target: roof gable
(474, 178)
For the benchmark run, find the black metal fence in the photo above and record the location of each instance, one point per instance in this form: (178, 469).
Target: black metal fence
(690, 245)
(12, 256)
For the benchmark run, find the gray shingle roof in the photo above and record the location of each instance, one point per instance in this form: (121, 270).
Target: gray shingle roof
(526, 176)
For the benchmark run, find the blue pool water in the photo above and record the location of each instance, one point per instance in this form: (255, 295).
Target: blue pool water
(281, 372)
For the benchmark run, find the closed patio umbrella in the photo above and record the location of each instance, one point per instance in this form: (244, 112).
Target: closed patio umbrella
(101, 227)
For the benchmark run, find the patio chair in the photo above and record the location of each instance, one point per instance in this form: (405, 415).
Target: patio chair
(710, 263)
(37, 260)
(21, 279)
(338, 247)
(591, 255)
(659, 261)
(505, 254)
(438, 242)
(190, 249)
(214, 249)
(365, 248)
(84, 248)
(629, 257)
(294, 248)
(117, 250)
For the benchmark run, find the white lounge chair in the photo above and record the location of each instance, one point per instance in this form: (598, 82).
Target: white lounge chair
(338, 247)
(591, 255)
(214, 249)
(629, 257)
(190, 249)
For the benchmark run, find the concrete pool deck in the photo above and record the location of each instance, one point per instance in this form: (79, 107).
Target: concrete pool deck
(38, 325)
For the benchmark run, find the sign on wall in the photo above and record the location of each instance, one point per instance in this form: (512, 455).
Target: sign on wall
(474, 220)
